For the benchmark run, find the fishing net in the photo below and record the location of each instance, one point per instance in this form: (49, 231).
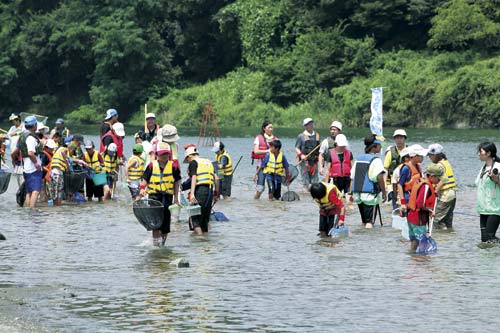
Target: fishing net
(294, 172)
(73, 181)
(218, 216)
(426, 245)
(338, 232)
(4, 181)
(149, 213)
(290, 196)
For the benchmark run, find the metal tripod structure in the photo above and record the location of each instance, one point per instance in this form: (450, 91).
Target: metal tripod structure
(209, 131)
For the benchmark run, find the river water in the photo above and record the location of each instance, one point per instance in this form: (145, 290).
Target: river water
(92, 267)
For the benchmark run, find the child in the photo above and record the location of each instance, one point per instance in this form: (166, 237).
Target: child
(329, 200)
(422, 204)
(225, 169)
(58, 166)
(134, 170)
(94, 160)
(110, 167)
(405, 159)
(275, 167)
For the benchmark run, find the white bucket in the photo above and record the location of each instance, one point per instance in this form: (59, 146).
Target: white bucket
(175, 211)
(193, 210)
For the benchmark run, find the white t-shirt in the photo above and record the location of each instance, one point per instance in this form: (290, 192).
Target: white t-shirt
(324, 146)
(31, 143)
(395, 174)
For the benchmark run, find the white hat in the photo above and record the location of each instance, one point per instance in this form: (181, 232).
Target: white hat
(190, 151)
(150, 115)
(168, 133)
(41, 128)
(307, 121)
(404, 152)
(163, 148)
(118, 128)
(435, 149)
(341, 140)
(112, 147)
(216, 147)
(417, 150)
(336, 124)
(89, 144)
(401, 132)
(50, 144)
(110, 113)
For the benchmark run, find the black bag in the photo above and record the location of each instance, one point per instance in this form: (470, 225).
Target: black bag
(21, 195)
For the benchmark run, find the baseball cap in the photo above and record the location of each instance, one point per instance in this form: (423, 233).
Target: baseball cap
(112, 147)
(417, 150)
(89, 144)
(307, 121)
(30, 121)
(434, 169)
(341, 140)
(401, 132)
(336, 124)
(137, 148)
(217, 146)
(404, 152)
(162, 148)
(150, 115)
(435, 149)
(118, 128)
(110, 113)
(60, 121)
(50, 144)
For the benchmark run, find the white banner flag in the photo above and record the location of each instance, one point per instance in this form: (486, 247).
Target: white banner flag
(376, 107)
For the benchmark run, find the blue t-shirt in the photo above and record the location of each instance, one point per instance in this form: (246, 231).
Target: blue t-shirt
(404, 177)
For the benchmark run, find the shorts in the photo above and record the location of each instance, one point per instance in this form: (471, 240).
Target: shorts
(416, 232)
(56, 185)
(33, 181)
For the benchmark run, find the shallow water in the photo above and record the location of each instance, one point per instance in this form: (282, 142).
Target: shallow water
(92, 267)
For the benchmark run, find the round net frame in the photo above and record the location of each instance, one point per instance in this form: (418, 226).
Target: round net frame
(149, 213)
(4, 181)
(73, 181)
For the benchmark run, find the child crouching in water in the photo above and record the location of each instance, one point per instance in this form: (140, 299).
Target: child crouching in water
(329, 200)
(275, 167)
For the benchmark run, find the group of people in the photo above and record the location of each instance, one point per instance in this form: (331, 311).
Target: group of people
(153, 170)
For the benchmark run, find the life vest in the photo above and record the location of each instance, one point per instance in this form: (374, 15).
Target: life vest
(339, 169)
(47, 167)
(395, 160)
(135, 173)
(228, 169)
(117, 140)
(109, 163)
(93, 161)
(63, 132)
(416, 174)
(263, 145)
(204, 172)
(361, 181)
(429, 201)
(308, 145)
(23, 148)
(58, 161)
(275, 164)
(161, 182)
(325, 203)
(448, 174)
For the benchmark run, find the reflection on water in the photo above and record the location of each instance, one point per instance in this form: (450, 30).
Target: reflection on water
(93, 268)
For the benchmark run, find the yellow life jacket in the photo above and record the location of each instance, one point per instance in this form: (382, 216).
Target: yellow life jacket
(161, 182)
(448, 175)
(109, 163)
(275, 164)
(228, 169)
(204, 172)
(135, 173)
(324, 203)
(58, 161)
(93, 161)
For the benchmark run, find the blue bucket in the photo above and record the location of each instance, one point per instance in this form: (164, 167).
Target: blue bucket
(99, 179)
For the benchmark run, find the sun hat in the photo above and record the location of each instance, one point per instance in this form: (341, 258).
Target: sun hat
(110, 113)
(118, 128)
(50, 144)
(169, 133)
(401, 132)
(307, 121)
(137, 148)
(60, 121)
(89, 144)
(435, 149)
(112, 147)
(417, 150)
(13, 117)
(191, 150)
(41, 128)
(434, 169)
(30, 121)
(341, 140)
(336, 124)
(150, 115)
(217, 147)
(162, 148)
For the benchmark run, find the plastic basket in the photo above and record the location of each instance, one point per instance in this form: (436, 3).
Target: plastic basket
(4, 181)
(149, 213)
(73, 181)
(174, 209)
(99, 179)
(194, 210)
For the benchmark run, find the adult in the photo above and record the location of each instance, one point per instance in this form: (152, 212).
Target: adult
(31, 150)
(392, 160)
(368, 185)
(161, 182)
(488, 192)
(328, 144)
(446, 188)
(14, 133)
(260, 149)
(339, 164)
(17, 127)
(152, 128)
(306, 146)
(46, 158)
(109, 120)
(60, 128)
(410, 173)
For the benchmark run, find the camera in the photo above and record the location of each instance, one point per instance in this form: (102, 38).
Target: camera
(494, 171)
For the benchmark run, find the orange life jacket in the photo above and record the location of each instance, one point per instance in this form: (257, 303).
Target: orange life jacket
(48, 167)
(416, 174)
(429, 201)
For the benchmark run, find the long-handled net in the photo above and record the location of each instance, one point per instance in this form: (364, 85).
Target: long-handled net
(73, 181)
(290, 195)
(149, 213)
(4, 181)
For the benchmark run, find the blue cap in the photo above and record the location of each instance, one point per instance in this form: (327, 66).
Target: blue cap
(30, 121)
(68, 139)
(110, 113)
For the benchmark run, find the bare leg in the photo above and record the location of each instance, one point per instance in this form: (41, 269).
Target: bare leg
(156, 238)
(198, 231)
(413, 245)
(32, 199)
